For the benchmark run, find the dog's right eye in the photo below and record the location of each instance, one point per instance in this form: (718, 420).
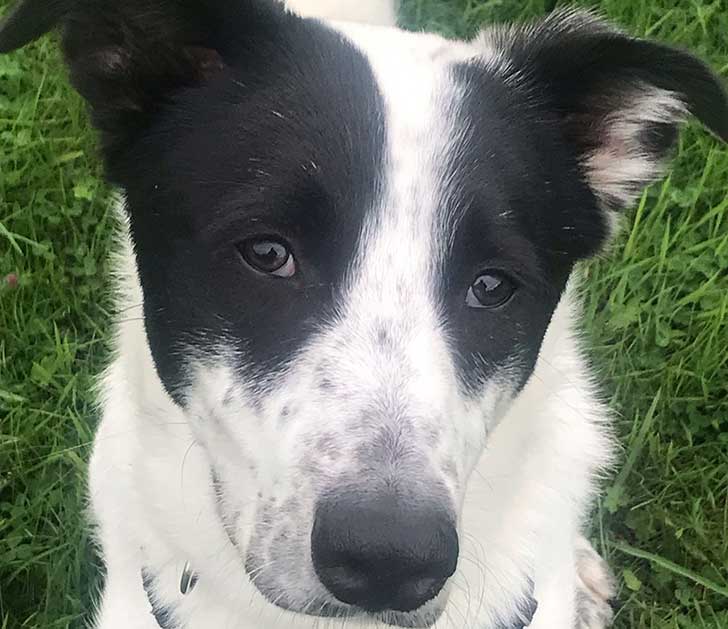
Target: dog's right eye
(268, 255)
(491, 289)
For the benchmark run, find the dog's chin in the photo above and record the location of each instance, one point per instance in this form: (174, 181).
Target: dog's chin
(419, 618)
(422, 618)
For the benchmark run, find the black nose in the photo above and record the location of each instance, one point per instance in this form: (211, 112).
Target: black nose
(378, 554)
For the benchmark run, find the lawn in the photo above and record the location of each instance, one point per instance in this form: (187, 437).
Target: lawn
(656, 326)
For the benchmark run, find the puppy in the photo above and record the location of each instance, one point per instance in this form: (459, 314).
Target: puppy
(353, 393)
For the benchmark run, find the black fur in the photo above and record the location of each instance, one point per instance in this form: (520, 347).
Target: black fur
(583, 70)
(529, 130)
(286, 140)
(526, 214)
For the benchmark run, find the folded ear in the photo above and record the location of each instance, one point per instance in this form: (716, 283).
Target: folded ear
(620, 99)
(127, 56)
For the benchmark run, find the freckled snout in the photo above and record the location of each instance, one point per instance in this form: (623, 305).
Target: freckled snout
(378, 553)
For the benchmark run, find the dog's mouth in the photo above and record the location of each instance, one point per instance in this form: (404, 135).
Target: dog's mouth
(422, 618)
(326, 606)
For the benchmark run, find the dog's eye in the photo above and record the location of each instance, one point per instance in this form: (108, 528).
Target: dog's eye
(490, 289)
(268, 255)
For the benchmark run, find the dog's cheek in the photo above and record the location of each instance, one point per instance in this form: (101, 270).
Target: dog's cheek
(223, 413)
(480, 412)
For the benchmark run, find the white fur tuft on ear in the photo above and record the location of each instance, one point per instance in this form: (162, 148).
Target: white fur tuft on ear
(625, 159)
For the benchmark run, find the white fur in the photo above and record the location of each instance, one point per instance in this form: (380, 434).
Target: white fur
(382, 12)
(527, 495)
(620, 168)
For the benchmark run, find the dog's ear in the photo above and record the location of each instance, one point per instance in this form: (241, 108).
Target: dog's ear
(127, 56)
(620, 99)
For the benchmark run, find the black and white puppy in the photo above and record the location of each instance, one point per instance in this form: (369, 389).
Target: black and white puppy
(356, 395)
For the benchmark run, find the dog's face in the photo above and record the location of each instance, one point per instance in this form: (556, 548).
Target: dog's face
(351, 241)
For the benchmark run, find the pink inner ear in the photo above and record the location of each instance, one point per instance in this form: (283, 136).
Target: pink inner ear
(207, 60)
(618, 162)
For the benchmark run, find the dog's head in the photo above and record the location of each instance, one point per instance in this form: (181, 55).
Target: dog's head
(351, 241)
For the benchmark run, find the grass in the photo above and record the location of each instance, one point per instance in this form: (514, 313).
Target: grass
(657, 327)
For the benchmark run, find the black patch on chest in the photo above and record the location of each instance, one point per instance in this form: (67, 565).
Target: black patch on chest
(286, 141)
(526, 211)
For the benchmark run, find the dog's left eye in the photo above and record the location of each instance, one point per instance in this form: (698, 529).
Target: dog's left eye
(490, 289)
(268, 255)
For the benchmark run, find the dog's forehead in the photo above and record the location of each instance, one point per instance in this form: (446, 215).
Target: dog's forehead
(423, 102)
(402, 58)
(415, 75)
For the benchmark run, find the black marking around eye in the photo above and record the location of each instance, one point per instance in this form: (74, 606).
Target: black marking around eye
(191, 169)
(522, 206)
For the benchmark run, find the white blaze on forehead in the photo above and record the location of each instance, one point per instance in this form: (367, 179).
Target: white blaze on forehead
(403, 241)
(391, 294)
